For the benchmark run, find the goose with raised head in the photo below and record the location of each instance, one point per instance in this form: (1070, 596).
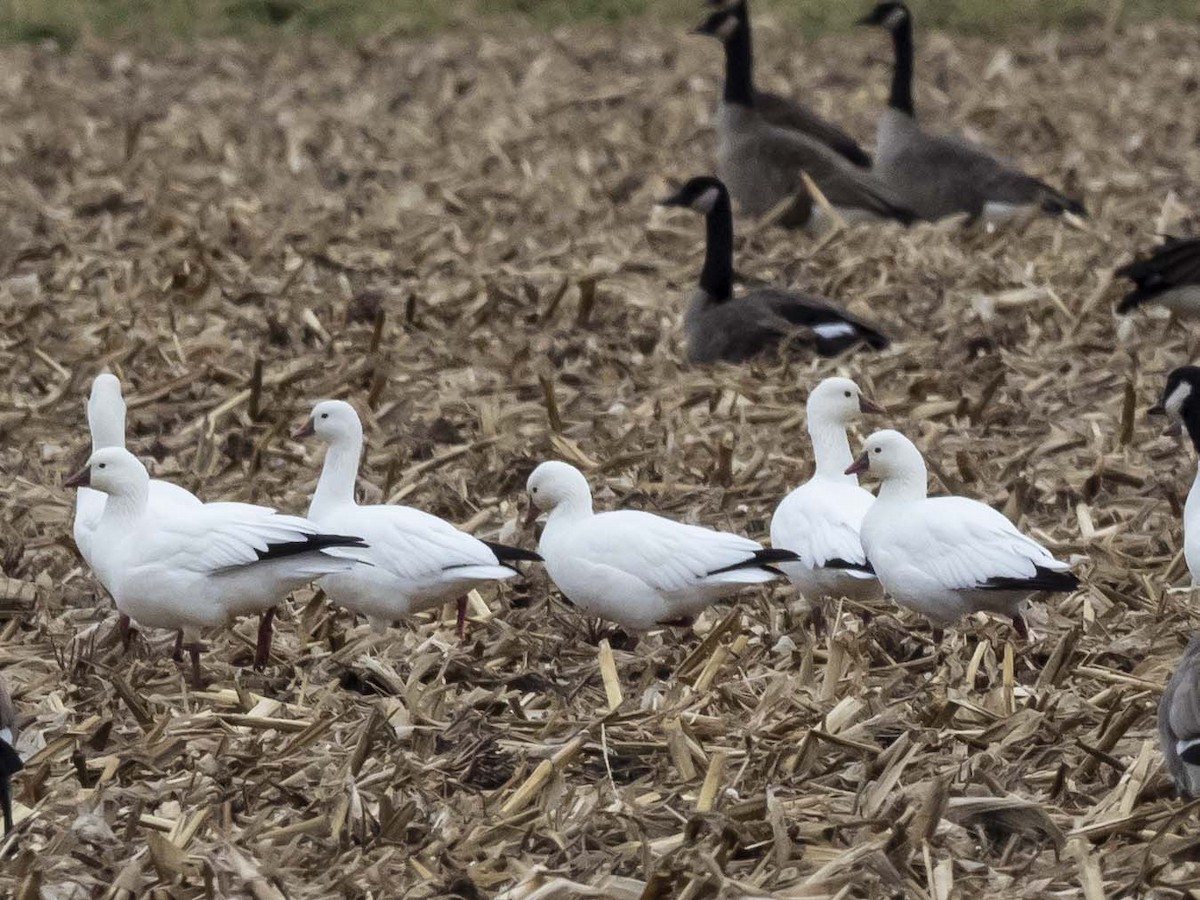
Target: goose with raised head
(189, 568)
(776, 109)
(416, 560)
(634, 568)
(821, 519)
(1167, 276)
(939, 175)
(761, 162)
(719, 326)
(947, 557)
(106, 423)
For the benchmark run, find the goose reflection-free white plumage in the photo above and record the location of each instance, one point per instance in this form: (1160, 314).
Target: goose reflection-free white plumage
(106, 422)
(417, 561)
(194, 567)
(820, 520)
(946, 557)
(635, 568)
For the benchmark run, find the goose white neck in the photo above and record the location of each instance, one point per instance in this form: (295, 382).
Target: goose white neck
(121, 509)
(106, 422)
(335, 488)
(905, 486)
(571, 509)
(831, 449)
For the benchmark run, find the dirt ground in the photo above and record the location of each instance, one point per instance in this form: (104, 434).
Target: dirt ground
(448, 233)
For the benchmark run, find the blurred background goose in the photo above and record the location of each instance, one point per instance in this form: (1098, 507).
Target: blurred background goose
(762, 160)
(10, 760)
(939, 175)
(721, 327)
(1179, 721)
(1181, 401)
(1167, 276)
(775, 108)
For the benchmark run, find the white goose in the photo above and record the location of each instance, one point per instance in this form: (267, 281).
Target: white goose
(947, 557)
(1181, 401)
(820, 520)
(192, 568)
(417, 561)
(635, 568)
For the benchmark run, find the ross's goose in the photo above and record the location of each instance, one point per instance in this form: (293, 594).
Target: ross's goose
(1181, 401)
(1179, 721)
(10, 760)
(418, 561)
(820, 520)
(946, 557)
(1167, 276)
(938, 175)
(635, 568)
(106, 422)
(192, 568)
(720, 326)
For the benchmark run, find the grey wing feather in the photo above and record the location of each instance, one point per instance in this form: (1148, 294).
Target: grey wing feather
(784, 113)
(1179, 712)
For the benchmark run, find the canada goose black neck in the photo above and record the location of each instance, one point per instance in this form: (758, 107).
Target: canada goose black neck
(1190, 413)
(902, 74)
(716, 278)
(739, 66)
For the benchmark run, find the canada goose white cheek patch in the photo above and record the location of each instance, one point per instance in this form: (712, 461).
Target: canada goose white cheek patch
(894, 19)
(830, 330)
(1174, 402)
(706, 201)
(727, 27)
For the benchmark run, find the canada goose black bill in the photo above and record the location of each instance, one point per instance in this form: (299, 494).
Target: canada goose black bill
(940, 175)
(719, 327)
(1167, 276)
(774, 108)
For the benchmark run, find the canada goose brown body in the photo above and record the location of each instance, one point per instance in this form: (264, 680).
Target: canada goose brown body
(940, 175)
(1179, 721)
(719, 326)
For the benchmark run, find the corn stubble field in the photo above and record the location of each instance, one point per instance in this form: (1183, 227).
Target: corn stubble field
(449, 233)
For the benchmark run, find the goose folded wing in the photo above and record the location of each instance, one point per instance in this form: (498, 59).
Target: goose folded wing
(834, 329)
(966, 545)
(217, 537)
(822, 532)
(1174, 263)
(1179, 715)
(842, 184)
(784, 113)
(668, 556)
(415, 545)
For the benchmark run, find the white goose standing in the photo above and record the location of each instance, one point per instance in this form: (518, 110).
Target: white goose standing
(820, 520)
(635, 568)
(193, 568)
(106, 422)
(947, 557)
(416, 560)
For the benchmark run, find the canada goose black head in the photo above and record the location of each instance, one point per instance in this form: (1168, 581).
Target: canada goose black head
(722, 24)
(1180, 402)
(701, 193)
(890, 15)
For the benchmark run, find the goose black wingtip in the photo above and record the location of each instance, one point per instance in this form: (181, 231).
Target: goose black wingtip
(507, 553)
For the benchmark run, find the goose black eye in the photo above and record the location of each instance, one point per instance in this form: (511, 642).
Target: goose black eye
(878, 449)
(102, 465)
(324, 415)
(533, 490)
(847, 393)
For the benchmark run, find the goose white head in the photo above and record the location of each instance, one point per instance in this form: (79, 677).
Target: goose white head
(114, 471)
(333, 421)
(106, 412)
(553, 484)
(839, 401)
(890, 456)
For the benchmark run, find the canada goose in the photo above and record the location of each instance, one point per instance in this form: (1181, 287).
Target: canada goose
(939, 175)
(721, 328)
(775, 109)
(762, 162)
(1168, 276)
(1179, 721)
(10, 760)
